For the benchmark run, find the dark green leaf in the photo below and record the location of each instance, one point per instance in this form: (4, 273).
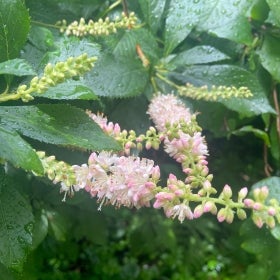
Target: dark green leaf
(222, 18)
(68, 91)
(16, 220)
(275, 10)
(153, 13)
(270, 56)
(6, 273)
(198, 55)
(131, 114)
(126, 45)
(259, 10)
(117, 77)
(14, 27)
(275, 145)
(229, 75)
(17, 67)
(57, 124)
(257, 132)
(50, 11)
(17, 151)
(58, 225)
(40, 229)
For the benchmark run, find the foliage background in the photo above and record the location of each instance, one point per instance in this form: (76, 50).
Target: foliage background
(231, 43)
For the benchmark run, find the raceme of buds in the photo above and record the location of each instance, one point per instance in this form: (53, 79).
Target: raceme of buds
(214, 93)
(264, 210)
(128, 139)
(132, 182)
(53, 75)
(58, 172)
(96, 28)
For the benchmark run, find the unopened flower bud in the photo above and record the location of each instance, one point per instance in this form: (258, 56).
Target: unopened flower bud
(198, 211)
(241, 214)
(271, 211)
(257, 206)
(264, 193)
(221, 215)
(208, 206)
(229, 216)
(227, 192)
(270, 221)
(248, 202)
(257, 221)
(242, 193)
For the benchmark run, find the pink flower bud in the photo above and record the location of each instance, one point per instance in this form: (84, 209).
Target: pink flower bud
(221, 215)
(248, 202)
(198, 211)
(148, 145)
(229, 216)
(227, 192)
(257, 206)
(242, 193)
(207, 186)
(271, 211)
(264, 193)
(258, 221)
(208, 206)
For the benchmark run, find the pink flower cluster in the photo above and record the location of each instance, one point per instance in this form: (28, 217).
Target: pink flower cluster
(184, 148)
(127, 181)
(108, 127)
(170, 199)
(168, 108)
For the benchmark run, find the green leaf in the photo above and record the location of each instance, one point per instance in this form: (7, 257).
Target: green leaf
(18, 152)
(230, 75)
(275, 10)
(40, 229)
(117, 77)
(71, 46)
(16, 220)
(59, 225)
(198, 55)
(153, 13)
(69, 90)
(41, 37)
(57, 124)
(270, 56)
(17, 67)
(256, 241)
(257, 132)
(222, 18)
(126, 45)
(14, 27)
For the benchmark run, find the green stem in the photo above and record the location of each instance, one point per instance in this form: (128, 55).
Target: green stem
(167, 81)
(111, 7)
(45, 24)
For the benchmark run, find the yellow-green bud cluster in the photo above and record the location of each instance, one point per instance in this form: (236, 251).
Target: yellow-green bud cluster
(56, 74)
(58, 172)
(96, 28)
(214, 93)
